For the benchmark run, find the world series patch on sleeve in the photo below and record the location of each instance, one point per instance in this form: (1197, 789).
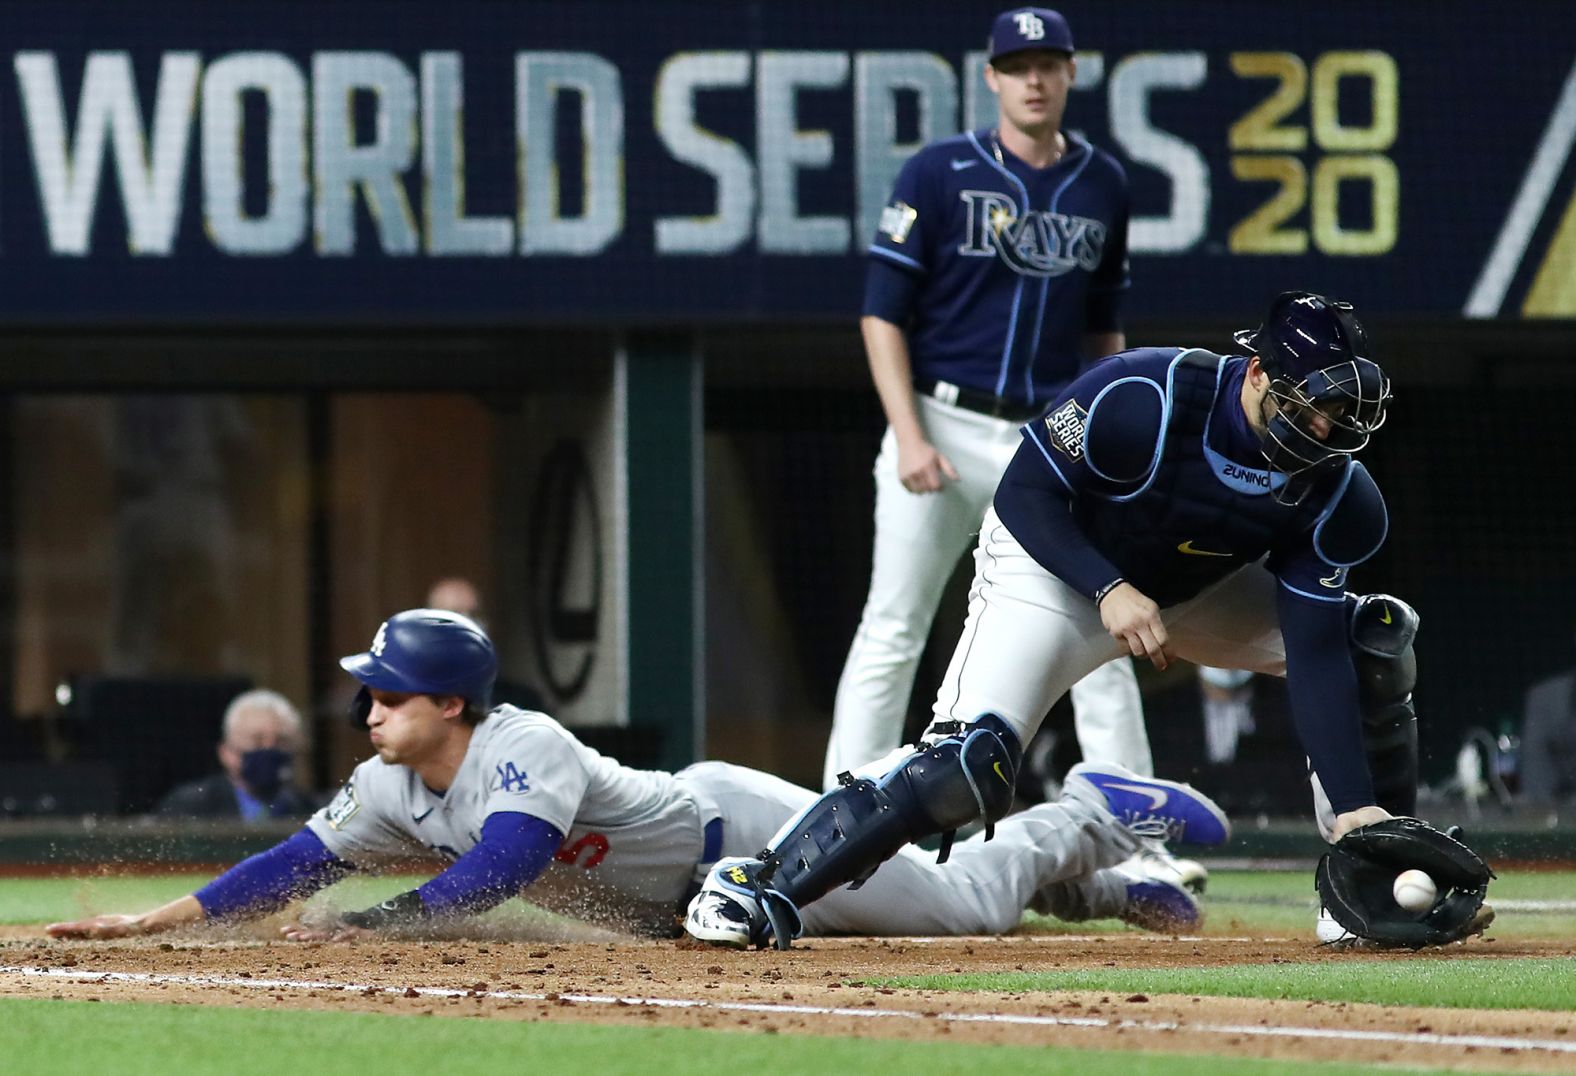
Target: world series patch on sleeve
(1066, 427)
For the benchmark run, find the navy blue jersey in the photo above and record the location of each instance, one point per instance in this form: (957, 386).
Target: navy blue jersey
(1168, 482)
(1146, 470)
(1015, 264)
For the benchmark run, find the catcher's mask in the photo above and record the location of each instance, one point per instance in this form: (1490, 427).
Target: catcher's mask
(1328, 396)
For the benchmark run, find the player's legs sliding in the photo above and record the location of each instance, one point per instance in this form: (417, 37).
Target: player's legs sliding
(966, 775)
(1054, 857)
(756, 901)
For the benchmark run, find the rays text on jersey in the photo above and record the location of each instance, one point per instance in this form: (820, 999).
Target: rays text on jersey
(1036, 243)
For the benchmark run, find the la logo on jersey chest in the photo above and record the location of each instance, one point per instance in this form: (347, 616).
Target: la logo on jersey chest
(1036, 243)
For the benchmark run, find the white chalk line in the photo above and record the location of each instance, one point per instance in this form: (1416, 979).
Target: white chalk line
(1496, 1042)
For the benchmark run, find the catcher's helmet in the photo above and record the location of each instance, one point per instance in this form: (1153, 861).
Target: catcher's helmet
(428, 652)
(1316, 355)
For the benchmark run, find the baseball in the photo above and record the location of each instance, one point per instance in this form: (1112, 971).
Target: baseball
(1414, 890)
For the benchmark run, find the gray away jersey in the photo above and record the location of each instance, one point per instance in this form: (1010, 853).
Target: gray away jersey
(633, 837)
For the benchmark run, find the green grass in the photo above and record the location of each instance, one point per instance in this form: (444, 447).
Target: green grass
(1459, 983)
(1258, 903)
(156, 1040)
(44, 900)
(1283, 904)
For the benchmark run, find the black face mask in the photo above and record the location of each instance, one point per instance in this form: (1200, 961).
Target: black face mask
(265, 771)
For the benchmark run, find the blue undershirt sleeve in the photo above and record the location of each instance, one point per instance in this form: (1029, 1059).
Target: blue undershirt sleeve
(889, 292)
(266, 882)
(1036, 507)
(514, 849)
(1322, 683)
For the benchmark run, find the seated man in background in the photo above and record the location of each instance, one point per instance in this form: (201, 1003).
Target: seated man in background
(1548, 741)
(262, 732)
(515, 802)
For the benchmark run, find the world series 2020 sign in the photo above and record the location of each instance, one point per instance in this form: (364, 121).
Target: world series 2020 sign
(517, 163)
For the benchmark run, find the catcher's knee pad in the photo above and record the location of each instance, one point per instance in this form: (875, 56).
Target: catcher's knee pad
(1381, 632)
(849, 832)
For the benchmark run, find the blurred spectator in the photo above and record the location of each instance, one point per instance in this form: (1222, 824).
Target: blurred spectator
(1548, 741)
(262, 731)
(458, 595)
(175, 532)
(1228, 710)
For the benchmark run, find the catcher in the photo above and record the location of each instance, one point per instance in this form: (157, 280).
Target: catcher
(1174, 503)
(513, 800)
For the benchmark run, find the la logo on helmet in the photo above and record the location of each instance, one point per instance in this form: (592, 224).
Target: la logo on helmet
(1030, 25)
(380, 639)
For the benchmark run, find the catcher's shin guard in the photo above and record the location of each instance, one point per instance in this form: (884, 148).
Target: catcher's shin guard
(849, 832)
(1382, 629)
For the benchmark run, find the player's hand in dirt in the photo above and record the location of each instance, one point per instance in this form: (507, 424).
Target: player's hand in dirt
(330, 932)
(922, 468)
(1134, 621)
(99, 926)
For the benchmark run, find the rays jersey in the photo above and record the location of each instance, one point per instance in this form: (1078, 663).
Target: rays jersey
(633, 837)
(1017, 263)
(1168, 483)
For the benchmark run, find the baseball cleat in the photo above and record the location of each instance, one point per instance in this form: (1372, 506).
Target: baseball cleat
(1154, 860)
(1162, 906)
(734, 909)
(1149, 807)
(718, 920)
(1329, 932)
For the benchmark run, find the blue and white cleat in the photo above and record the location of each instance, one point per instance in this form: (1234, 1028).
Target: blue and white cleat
(734, 909)
(1149, 807)
(1162, 906)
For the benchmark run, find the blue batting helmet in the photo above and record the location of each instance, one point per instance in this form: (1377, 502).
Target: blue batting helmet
(428, 652)
(1316, 355)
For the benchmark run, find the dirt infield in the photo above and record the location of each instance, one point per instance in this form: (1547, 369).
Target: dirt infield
(818, 988)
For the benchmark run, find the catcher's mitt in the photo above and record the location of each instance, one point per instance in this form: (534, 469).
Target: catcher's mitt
(1355, 877)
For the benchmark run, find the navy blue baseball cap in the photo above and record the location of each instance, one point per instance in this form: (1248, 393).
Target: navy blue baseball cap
(1025, 28)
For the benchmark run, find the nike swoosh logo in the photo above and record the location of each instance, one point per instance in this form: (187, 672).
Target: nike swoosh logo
(1335, 578)
(997, 767)
(1157, 798)
(1187, 547)
(1384, 617)
(958, 166)
(418, 818)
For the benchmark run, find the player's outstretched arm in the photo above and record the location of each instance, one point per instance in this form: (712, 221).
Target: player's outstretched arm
(514, 849)
(177, 913)
(292, 869)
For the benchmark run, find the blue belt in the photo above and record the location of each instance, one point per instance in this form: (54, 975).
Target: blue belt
(711, 841)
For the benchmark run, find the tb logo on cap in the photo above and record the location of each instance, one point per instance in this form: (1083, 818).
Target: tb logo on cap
(1030, 25)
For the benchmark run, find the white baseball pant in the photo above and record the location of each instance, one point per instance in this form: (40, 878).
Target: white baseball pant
(984, 886)
(918, 540)
(1029, 636)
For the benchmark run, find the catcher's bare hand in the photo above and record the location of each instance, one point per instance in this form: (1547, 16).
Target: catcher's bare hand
(1362, 816)
(1134, 621)
(98, 927)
